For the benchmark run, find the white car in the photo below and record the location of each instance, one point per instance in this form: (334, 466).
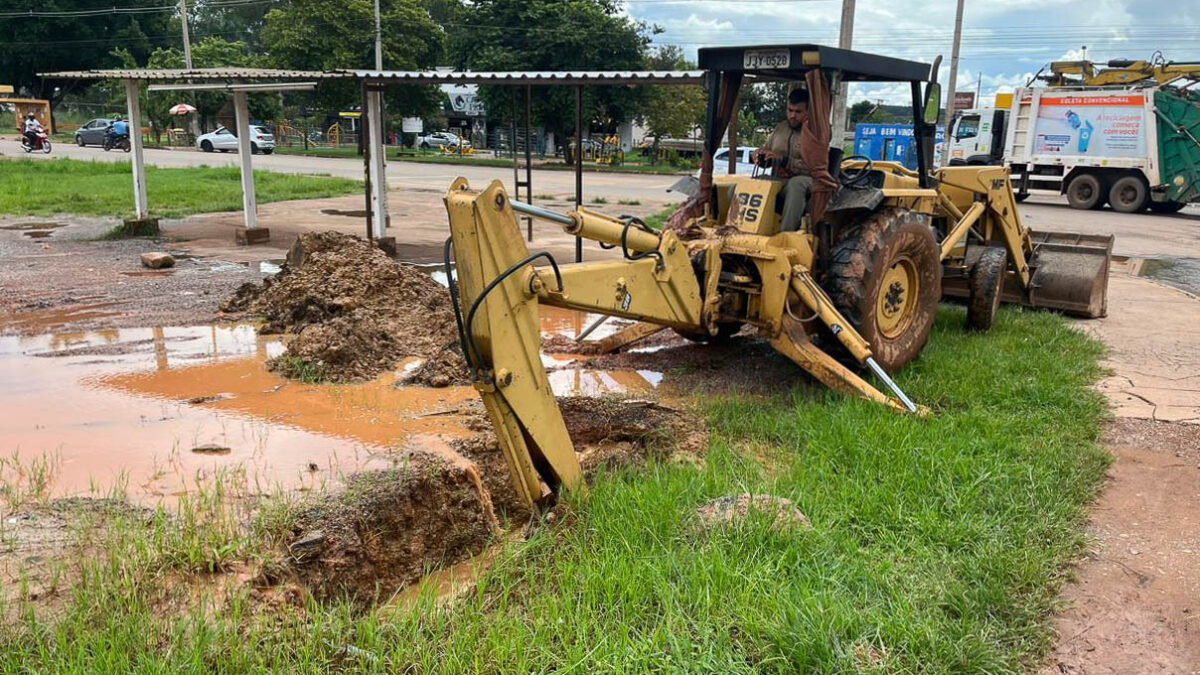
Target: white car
(440, 139)
(224, 140)
(721, 161)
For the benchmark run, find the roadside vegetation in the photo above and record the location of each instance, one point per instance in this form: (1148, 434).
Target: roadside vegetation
(937, 545)
(46, 187)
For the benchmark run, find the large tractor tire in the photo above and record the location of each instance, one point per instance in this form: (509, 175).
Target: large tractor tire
(987, 283)
(1129, 194)
(885, 277)
(1085, 191)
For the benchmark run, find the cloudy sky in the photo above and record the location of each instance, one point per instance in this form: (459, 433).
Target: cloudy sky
(1005, 41)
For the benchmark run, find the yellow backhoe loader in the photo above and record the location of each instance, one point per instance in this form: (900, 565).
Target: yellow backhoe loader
(852, 294)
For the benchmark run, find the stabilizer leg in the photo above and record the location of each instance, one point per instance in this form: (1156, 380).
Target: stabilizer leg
(793, 343)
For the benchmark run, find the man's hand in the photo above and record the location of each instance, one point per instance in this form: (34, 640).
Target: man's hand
(765, 157)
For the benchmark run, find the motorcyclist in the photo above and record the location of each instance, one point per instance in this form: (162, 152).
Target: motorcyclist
(118, 129)
(32, 127)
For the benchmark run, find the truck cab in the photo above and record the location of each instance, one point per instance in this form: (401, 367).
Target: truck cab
(977, 137)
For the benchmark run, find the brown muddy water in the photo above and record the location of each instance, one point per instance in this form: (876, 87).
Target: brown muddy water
(160, 412)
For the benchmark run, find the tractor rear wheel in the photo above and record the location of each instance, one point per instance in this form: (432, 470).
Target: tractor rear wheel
(885, 277)
(987, 284)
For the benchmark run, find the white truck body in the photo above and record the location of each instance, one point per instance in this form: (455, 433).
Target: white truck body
(1054, 132)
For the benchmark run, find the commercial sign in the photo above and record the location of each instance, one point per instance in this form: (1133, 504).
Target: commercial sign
(1104, 126)
(412, 125)
(963, 100)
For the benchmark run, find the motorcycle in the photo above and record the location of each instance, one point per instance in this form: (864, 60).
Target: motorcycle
(41, 142)
(119, 142)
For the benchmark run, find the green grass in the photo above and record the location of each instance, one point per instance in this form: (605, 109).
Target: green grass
(46, 187)
(938, 546)
(657, 221)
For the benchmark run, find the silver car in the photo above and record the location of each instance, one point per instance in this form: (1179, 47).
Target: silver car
(92, 133)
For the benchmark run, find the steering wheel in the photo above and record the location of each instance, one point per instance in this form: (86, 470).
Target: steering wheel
(857, 174)
(762, 166)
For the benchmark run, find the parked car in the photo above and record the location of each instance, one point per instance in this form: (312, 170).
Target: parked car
(92, 133)
(721, 161)
(225, 140)
(440, 139)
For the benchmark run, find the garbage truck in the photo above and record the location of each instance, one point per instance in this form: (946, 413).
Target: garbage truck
(1135, 148)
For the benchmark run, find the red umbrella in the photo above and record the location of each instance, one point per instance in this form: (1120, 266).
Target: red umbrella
(181, 109)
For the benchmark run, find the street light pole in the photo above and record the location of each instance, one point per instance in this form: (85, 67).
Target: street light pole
(958, 18)
(840, 93)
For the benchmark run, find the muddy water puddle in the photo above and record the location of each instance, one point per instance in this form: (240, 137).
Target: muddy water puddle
(162, 411)
(129, 407)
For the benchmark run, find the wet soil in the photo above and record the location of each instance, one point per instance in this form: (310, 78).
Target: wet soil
(65, 280)
(385, 529)
(354, 313)
(1134, 603)
(608, 432)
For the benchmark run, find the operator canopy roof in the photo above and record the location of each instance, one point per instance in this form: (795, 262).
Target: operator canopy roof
(791, 62)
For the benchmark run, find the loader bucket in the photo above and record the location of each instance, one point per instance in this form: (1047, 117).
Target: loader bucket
(1070, 272)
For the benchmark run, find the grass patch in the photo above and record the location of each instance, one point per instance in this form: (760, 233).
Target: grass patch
(297, 368)
(599, 200)
(657, 221)
(45, 187)
(938, 545)
(629, 202)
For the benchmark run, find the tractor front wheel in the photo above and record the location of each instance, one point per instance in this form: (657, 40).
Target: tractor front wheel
(987, 285)
(885, 277)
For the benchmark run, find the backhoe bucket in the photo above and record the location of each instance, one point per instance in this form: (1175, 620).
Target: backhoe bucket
(1070, 273)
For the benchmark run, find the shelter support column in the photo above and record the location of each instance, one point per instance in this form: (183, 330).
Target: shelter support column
(252, 234)
(377, 167)
(578, 164)
(141, 223)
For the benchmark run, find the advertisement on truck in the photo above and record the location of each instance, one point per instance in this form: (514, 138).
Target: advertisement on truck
(1091, 126)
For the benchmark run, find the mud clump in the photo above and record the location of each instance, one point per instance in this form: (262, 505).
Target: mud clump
(354, 312)
(608, 433)
(385, 529)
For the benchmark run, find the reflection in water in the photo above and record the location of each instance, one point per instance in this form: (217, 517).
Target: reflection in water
(129, 406)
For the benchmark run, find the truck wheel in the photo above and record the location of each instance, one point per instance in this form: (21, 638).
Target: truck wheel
(1166, 207)
(987, 282)
(1085, 192)
(1129, 195)
(885, 277)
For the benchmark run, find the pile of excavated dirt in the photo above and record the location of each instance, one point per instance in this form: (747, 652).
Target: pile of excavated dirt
(354, 312)
(608, 432)
(385, 529)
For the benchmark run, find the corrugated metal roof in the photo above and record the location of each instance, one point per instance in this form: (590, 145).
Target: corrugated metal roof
(540, 78)
(195, 74)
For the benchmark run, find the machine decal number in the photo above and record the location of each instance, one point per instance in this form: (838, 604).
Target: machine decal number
(626, 301)
(766, 59)
(750, 204)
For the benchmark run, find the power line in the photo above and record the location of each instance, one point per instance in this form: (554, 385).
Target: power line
(70, 14)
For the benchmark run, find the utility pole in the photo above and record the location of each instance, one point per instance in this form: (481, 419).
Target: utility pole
(958, 16)
(378, 39)
(187, 60)
(840, 93)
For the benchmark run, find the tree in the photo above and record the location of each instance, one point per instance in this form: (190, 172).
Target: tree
(676, 110)
(29, 45)
(553, 35)
(313, 35)
(211, 52)
(240, 23)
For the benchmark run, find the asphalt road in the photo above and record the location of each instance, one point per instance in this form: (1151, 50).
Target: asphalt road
(401, 175)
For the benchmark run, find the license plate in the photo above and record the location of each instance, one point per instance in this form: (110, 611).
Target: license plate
(766, 59)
